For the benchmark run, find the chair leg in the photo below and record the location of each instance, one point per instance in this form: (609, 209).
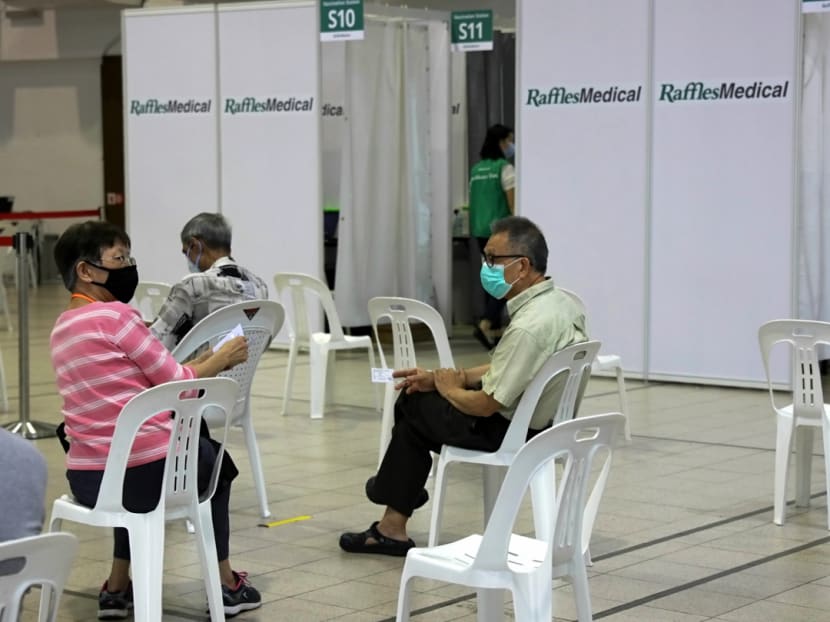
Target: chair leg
(289, 374)
(532, 597)
(783, 449)
(209, 560)
(589, 514)
(5, 305)
(45, 594)
(803, 465)
(623, 402)
(32, 272)
(437, 503)
(826, 442)
(331, 378)
(147, 553)
(319, 357)
(582, 594)
(542, 490)
(493, 478)
(489, 605)
(376, 388)
(256, 464)
(403, 599)
(4, 399)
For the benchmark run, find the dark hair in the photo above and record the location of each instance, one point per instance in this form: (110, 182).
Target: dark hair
(212, 229)
(525, 239)
(491, 150)
(85, 241)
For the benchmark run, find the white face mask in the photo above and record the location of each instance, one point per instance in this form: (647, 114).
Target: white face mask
(193, 266)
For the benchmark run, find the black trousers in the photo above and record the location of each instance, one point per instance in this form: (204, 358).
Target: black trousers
(423, 423)
(493, 307)
(142, 491)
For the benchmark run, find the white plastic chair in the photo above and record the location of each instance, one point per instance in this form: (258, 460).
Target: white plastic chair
(400, 312)
(39, 561)
(502, 560)
(321, 346)
(188, 400)
(4, 305)
(4, 392)
(572, 363)
(260, 320)
(149, 298)
(607, 363)
(806, 412)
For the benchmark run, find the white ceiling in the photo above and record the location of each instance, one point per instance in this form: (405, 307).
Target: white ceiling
(504, 10)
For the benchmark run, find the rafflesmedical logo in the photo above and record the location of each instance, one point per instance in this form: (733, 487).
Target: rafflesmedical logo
(699, 91)
(171, 106)
(269, 104)
(586, 95)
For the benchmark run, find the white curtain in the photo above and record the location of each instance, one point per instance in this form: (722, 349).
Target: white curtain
(384, 231)
(814, 223)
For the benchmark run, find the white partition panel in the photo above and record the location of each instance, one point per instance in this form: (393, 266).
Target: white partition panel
(441, 167)
(724, 88)
(269, 81)
(582, 155)
(170, 131)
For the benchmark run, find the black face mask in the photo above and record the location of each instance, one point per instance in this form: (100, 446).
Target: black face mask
(121, 282)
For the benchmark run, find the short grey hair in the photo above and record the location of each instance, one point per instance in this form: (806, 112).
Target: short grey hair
(525, 239)
(212, 229)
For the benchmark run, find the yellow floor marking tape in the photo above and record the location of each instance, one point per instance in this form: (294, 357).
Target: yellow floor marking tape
(285, 521)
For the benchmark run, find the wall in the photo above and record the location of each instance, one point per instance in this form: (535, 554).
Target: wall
(50, 108)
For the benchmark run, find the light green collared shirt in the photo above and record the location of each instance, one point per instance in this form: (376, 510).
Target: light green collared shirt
(543, 320)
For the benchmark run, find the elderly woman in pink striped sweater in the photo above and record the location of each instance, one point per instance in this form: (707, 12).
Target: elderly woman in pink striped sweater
(104, 355)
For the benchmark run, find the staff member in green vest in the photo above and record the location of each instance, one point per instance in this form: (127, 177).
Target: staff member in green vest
(492, 196)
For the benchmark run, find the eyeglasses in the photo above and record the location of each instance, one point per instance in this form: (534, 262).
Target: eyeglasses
(124, 260)
(490, 260)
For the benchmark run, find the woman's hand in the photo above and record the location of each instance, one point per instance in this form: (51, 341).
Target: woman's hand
(415, 380)
(235, 351)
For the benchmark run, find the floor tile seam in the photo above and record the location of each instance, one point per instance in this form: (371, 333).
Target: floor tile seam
(710, 444)
(694, 530)
(657, 595)
(179, 613)
(708, 579)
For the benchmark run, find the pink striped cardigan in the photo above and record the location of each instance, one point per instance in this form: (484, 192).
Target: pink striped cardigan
(103, 355)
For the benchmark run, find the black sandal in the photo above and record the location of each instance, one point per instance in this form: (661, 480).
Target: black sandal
(357, 543)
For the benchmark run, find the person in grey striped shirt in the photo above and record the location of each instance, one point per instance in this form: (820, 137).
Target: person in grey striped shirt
(216, 279)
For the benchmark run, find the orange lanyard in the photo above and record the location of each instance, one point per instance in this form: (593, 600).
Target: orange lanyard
(83, 297)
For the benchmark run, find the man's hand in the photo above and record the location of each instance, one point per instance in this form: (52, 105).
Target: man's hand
(415, 380)
(448, 379)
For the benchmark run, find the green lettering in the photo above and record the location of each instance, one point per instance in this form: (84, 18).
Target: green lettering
(533, 98)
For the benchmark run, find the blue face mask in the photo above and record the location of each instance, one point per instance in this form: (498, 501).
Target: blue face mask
(492, 280)
(510, 151)
(193, 266)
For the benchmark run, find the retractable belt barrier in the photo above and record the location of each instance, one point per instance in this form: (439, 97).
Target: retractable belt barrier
(24, 243)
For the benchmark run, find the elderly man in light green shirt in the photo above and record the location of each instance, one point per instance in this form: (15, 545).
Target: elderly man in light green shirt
(472, 408)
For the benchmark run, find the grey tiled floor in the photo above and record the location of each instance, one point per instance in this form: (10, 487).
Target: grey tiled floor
(684, 533)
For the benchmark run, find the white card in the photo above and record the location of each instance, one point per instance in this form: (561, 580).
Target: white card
(235, 332)
(381, 375)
